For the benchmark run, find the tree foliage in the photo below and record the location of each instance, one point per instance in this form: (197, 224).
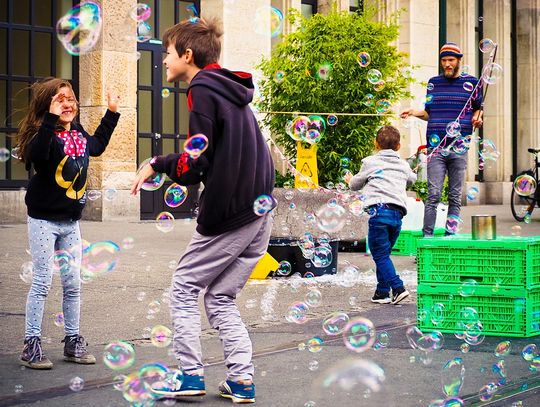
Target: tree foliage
(333, 40)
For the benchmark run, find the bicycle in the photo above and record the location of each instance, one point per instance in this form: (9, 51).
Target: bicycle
(522, 206)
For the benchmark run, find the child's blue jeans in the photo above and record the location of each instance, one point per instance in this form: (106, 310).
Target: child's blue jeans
(384, 228)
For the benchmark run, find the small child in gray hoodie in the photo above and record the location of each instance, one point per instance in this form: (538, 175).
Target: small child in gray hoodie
(383, 179)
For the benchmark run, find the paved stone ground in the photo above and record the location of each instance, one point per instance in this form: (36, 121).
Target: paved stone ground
(114, 307)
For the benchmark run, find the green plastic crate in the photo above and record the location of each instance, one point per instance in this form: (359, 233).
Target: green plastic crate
(508, 311)
(407, 242)
(507, 261)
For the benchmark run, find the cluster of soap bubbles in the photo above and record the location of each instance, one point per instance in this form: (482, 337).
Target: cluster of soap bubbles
(136, 387)
(428, 342)
(469, 328)
(140, 13)
(308, 129)
(79, 29)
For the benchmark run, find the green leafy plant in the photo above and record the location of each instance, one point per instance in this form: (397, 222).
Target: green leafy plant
(315, 69)
(421, 189)
(281, 180)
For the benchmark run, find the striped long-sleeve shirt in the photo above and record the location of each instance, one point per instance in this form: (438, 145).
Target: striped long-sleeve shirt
(445, 100)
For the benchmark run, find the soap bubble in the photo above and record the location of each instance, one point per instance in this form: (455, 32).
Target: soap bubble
(359, 334)
(486, 45)
(374, 76)
(119, 355)
(160, 336)
(491, 73)
(472, 193)
(525, 185)
(452, 377)
(140, 12)
(331, 217)
(76, 384)
(59, 319)
(332, 120)
(4, 155)
(284, 268)
(79, 29)
(165, 222)
(175, 195)
(263, 204)
(453, 224)
(196, 145)
(468, 86)
(363, 59)
(335, 323)
(144, 31)
(351, 375)
(154, 182)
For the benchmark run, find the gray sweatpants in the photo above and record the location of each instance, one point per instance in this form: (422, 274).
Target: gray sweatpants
(437, 168)
(220, 265)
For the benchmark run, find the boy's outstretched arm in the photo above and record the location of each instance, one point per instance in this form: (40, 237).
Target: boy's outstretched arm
(358, 181)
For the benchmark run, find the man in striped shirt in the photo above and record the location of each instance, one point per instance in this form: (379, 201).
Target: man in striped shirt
(453, 109)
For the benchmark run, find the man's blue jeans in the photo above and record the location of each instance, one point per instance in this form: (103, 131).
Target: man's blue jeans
(438, 166)
(384, 228)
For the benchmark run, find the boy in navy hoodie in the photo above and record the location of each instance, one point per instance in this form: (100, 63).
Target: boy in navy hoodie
(235, 169)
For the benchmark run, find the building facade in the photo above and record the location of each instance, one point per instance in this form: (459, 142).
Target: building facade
(154, 113)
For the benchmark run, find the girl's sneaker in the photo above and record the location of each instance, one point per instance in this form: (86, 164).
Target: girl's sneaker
(75, 350)
(32, 355)
(178, 385)
(238, 392)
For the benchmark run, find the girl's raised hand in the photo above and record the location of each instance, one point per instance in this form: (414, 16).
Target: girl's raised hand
(112, 100)
(56, 104)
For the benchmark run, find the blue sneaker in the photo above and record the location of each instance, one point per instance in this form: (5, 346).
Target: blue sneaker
(237, 392)
(179, 385)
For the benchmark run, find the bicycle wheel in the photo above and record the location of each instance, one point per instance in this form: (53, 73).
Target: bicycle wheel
(522, 205)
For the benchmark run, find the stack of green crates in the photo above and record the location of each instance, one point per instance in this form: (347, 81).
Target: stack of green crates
(407, 241)
(499, 278)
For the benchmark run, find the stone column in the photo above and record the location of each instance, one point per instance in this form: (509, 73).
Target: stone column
(418, 38)
(112, 64)
(242, 46)
(461, 21)
(497, 107)
(528, 80)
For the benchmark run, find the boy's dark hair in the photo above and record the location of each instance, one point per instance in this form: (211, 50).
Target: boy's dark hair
(388, 138)
(201, 36)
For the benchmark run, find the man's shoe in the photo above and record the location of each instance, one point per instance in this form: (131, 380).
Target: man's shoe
(399, 294)
(381, 298)
(32, 355)
(75, 350)
(238, 392)
(177, 384)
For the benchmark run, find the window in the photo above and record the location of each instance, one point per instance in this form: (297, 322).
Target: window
(29, 51)
(309, 7)
(356, 5)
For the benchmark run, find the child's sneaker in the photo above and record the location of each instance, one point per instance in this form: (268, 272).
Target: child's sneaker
(399, 294)
(75, 350)
(381, 298)
(32, 355)
(179, 385)
(238, 392)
